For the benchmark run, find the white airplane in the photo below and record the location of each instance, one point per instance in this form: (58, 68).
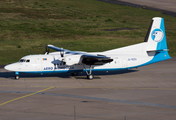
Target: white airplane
(153, 49)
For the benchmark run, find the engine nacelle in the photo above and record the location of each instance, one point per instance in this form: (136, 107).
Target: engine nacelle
(72, 59)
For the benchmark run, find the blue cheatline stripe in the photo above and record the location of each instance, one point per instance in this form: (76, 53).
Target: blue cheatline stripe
(70, 71)
(97, 98)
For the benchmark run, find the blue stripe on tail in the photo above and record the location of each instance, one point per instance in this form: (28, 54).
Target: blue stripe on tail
(162, 44)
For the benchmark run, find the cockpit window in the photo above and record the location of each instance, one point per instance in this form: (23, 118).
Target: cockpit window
(24, 60)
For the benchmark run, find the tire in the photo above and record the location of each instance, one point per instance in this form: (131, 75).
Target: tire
(17, 77)
(90, 77)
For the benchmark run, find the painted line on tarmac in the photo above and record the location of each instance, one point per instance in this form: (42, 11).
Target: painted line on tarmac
(117, 88)
(87, 97)
(26, 96)
(112, 100)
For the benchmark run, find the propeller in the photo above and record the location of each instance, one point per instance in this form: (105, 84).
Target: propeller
(46, 50)
(62, 52)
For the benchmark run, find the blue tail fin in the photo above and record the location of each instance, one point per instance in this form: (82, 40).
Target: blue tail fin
(156, 40)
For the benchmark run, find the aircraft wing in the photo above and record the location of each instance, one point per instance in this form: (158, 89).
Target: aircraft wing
(57, 48)
(88, 59)
(64, 50)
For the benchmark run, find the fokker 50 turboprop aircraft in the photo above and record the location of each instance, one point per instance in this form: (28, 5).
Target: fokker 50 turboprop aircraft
(153, 49)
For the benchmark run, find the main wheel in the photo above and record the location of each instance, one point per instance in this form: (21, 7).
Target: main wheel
(17, 77)
(90, 76)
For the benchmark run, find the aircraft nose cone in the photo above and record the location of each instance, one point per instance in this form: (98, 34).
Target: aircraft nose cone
(11, 67)
(7, 67)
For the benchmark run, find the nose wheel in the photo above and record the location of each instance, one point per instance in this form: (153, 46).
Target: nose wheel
(17, 77)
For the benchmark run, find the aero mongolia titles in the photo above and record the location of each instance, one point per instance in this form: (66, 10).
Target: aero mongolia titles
(153, 49)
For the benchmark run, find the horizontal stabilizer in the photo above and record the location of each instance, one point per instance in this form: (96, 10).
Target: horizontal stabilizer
(163, 50)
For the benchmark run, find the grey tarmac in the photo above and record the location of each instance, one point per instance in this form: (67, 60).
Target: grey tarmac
(168, 5)
(164, 6)
(144, 93)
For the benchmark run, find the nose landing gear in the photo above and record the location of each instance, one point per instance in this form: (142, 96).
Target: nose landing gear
(17, 77)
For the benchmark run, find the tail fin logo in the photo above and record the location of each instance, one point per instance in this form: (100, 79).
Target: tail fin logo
(157, 35)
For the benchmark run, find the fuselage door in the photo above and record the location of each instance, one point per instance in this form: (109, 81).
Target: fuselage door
(38, 65)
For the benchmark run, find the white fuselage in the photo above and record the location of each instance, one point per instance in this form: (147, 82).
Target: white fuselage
(53, 62)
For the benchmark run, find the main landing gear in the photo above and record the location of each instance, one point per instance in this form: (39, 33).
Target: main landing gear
(89, 75)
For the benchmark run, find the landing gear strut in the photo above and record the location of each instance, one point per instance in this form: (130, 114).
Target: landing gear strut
(89, 75)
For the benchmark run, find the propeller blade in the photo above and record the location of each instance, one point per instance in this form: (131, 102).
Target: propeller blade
(46, 50)
(62, 52)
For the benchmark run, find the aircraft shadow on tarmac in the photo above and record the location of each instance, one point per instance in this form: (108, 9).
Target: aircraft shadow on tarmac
(97, 75)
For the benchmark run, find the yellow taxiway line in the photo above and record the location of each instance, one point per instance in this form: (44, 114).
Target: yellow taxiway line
(26, 96)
